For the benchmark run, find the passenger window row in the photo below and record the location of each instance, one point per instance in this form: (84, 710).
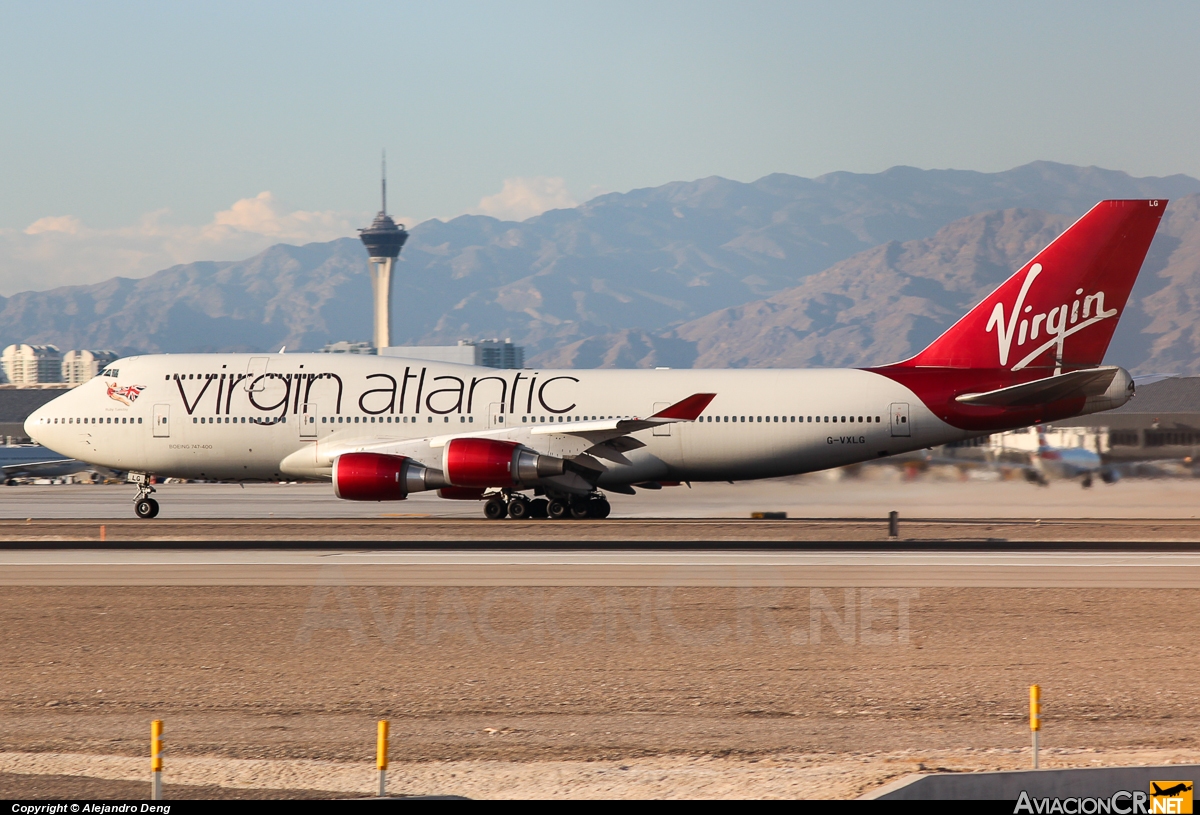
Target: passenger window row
(387, 419)
(93, 420)
(238, 419)
(524, 419)
(802, 419)
(543, 419)
(274, 375)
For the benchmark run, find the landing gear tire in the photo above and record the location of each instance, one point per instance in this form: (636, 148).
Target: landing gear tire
(146, 508)
(599, 508)
(538, 508)
(495, 510)
(557, 509)
(580, 509)
(519, 509)
(1087, 481)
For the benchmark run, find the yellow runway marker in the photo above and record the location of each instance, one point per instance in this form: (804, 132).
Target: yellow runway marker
(1035, 718)
(381, 756)
(156, 730)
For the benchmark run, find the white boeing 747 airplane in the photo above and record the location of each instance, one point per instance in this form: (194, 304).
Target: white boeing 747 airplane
(381, 428)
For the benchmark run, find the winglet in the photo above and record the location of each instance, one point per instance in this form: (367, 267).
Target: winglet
(686, 410)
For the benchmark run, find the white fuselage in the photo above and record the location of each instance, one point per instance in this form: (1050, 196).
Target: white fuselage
(239, 416)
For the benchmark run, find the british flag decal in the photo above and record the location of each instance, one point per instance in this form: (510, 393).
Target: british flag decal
(126, 395)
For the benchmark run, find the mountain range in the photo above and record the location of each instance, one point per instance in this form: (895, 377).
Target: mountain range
(843, 269)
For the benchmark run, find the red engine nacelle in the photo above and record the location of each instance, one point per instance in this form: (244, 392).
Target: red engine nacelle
(375, 477)
(495, 463)
(479, 462)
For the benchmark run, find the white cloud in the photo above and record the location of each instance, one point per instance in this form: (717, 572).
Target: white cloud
(523, 198)
(61, 223)
(61, 250)
(261, 215)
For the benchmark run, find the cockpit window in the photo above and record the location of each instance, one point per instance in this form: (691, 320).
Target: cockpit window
(110, 372)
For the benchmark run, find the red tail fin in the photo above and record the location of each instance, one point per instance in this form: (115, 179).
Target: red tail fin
(1060, 310)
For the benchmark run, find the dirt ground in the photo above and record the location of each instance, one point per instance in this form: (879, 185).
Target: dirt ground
(867, 684)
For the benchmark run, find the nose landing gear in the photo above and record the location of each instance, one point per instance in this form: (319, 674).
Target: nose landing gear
(144, 506)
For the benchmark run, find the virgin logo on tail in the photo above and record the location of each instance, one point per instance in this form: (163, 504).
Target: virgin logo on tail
(1056, 324)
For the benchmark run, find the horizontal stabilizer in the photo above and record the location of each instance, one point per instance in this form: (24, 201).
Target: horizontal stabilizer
(1074, 385)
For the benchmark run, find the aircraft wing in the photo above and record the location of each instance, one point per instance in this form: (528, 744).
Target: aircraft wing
(1091, 382)
(32, 465)
(582, 442)
(47, 468)
(595, 432)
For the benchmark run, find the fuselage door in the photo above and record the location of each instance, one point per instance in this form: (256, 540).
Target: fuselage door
(496, 415)
(162, 421)
(662, 429)
(899, 417)
(255, 370)
(308, 420)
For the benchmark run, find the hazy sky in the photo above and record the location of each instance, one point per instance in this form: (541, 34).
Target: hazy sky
(137, 134)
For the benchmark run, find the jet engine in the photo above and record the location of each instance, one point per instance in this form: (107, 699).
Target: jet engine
(496, 463)
(380, 477)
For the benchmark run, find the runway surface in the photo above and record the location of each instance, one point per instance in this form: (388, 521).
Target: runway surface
(816, 496)
(818, 509)
(583, 567)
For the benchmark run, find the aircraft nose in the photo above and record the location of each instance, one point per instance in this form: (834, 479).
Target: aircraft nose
(33, 423)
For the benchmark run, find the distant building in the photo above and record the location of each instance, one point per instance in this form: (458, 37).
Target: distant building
(384, 239)
(1161, 422)
(486, 353)
(1025, 440)
(344, 347)
(32, 364)
(80, 366)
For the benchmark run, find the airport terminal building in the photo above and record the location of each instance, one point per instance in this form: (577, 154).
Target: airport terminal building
(1161, 422)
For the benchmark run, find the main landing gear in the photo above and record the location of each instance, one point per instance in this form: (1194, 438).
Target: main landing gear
(560, 507)
(144, 506)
